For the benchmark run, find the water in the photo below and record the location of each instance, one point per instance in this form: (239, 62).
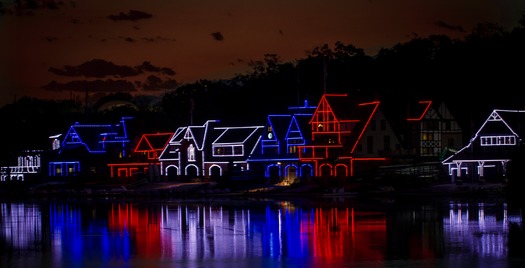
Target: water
(209, 232)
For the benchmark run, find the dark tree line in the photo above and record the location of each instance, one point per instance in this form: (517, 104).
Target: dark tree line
(473, 75)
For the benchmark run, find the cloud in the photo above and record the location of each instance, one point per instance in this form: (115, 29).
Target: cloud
(98, 68)
(155, 83)
(132, 15)
(158, 38)
(128, 39)
(51, 39)
(442, 24)
(147, 39)
(28, 7)
(108, 85)
(217, 36)
(148, 67)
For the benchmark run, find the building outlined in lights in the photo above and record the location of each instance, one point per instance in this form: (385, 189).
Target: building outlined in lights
(341, 136)
(353, 137)
(208, 151)
(490, 150)
(276, 154)
(144, 158)
(86, 148)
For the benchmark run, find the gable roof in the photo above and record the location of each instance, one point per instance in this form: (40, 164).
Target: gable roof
(280, 125)
(175, 140)
(293, 125)
(508, 125)
(301, 122)
(153, 142)
(198, 134)
(247, 136)
(95, 137)
(403, 113)
(178, 135)
(336, 104)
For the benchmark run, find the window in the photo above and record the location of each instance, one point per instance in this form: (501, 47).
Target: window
(347, 126)
(295, 141)
(237, 150)
(74, 137)
(430, 125)
(386, 143)
(497, 140)
(191, 153)
(426, 151)
(152, 154)
(56, 144)
(427, 136)
(228, 150)
(383, 124)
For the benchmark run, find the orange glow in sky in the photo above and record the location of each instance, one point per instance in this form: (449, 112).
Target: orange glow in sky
(207, 39)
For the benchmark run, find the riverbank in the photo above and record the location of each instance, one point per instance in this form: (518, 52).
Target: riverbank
(164, 190)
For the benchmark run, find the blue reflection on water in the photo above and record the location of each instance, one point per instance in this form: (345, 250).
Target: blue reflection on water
(198, 233)
(76, 239)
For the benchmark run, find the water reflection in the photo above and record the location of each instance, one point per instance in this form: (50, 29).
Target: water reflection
(226, 232)
(479, 229)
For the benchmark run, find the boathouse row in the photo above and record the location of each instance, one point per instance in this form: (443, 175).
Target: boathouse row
(493, 153)
(339, 137)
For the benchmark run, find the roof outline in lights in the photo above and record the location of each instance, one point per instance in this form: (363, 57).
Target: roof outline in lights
(428, 103)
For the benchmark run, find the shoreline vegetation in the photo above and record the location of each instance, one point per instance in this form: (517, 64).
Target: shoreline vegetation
(163, 190)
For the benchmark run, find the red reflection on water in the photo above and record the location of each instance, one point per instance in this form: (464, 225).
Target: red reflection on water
(143, 227)
(348, 234)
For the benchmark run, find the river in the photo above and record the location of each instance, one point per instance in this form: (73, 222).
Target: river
(262, 232)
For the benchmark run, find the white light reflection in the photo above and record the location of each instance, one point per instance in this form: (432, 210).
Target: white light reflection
(21, 225)
(195, 233)
(484, 235)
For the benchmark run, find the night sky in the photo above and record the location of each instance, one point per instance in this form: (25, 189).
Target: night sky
(60, 49)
